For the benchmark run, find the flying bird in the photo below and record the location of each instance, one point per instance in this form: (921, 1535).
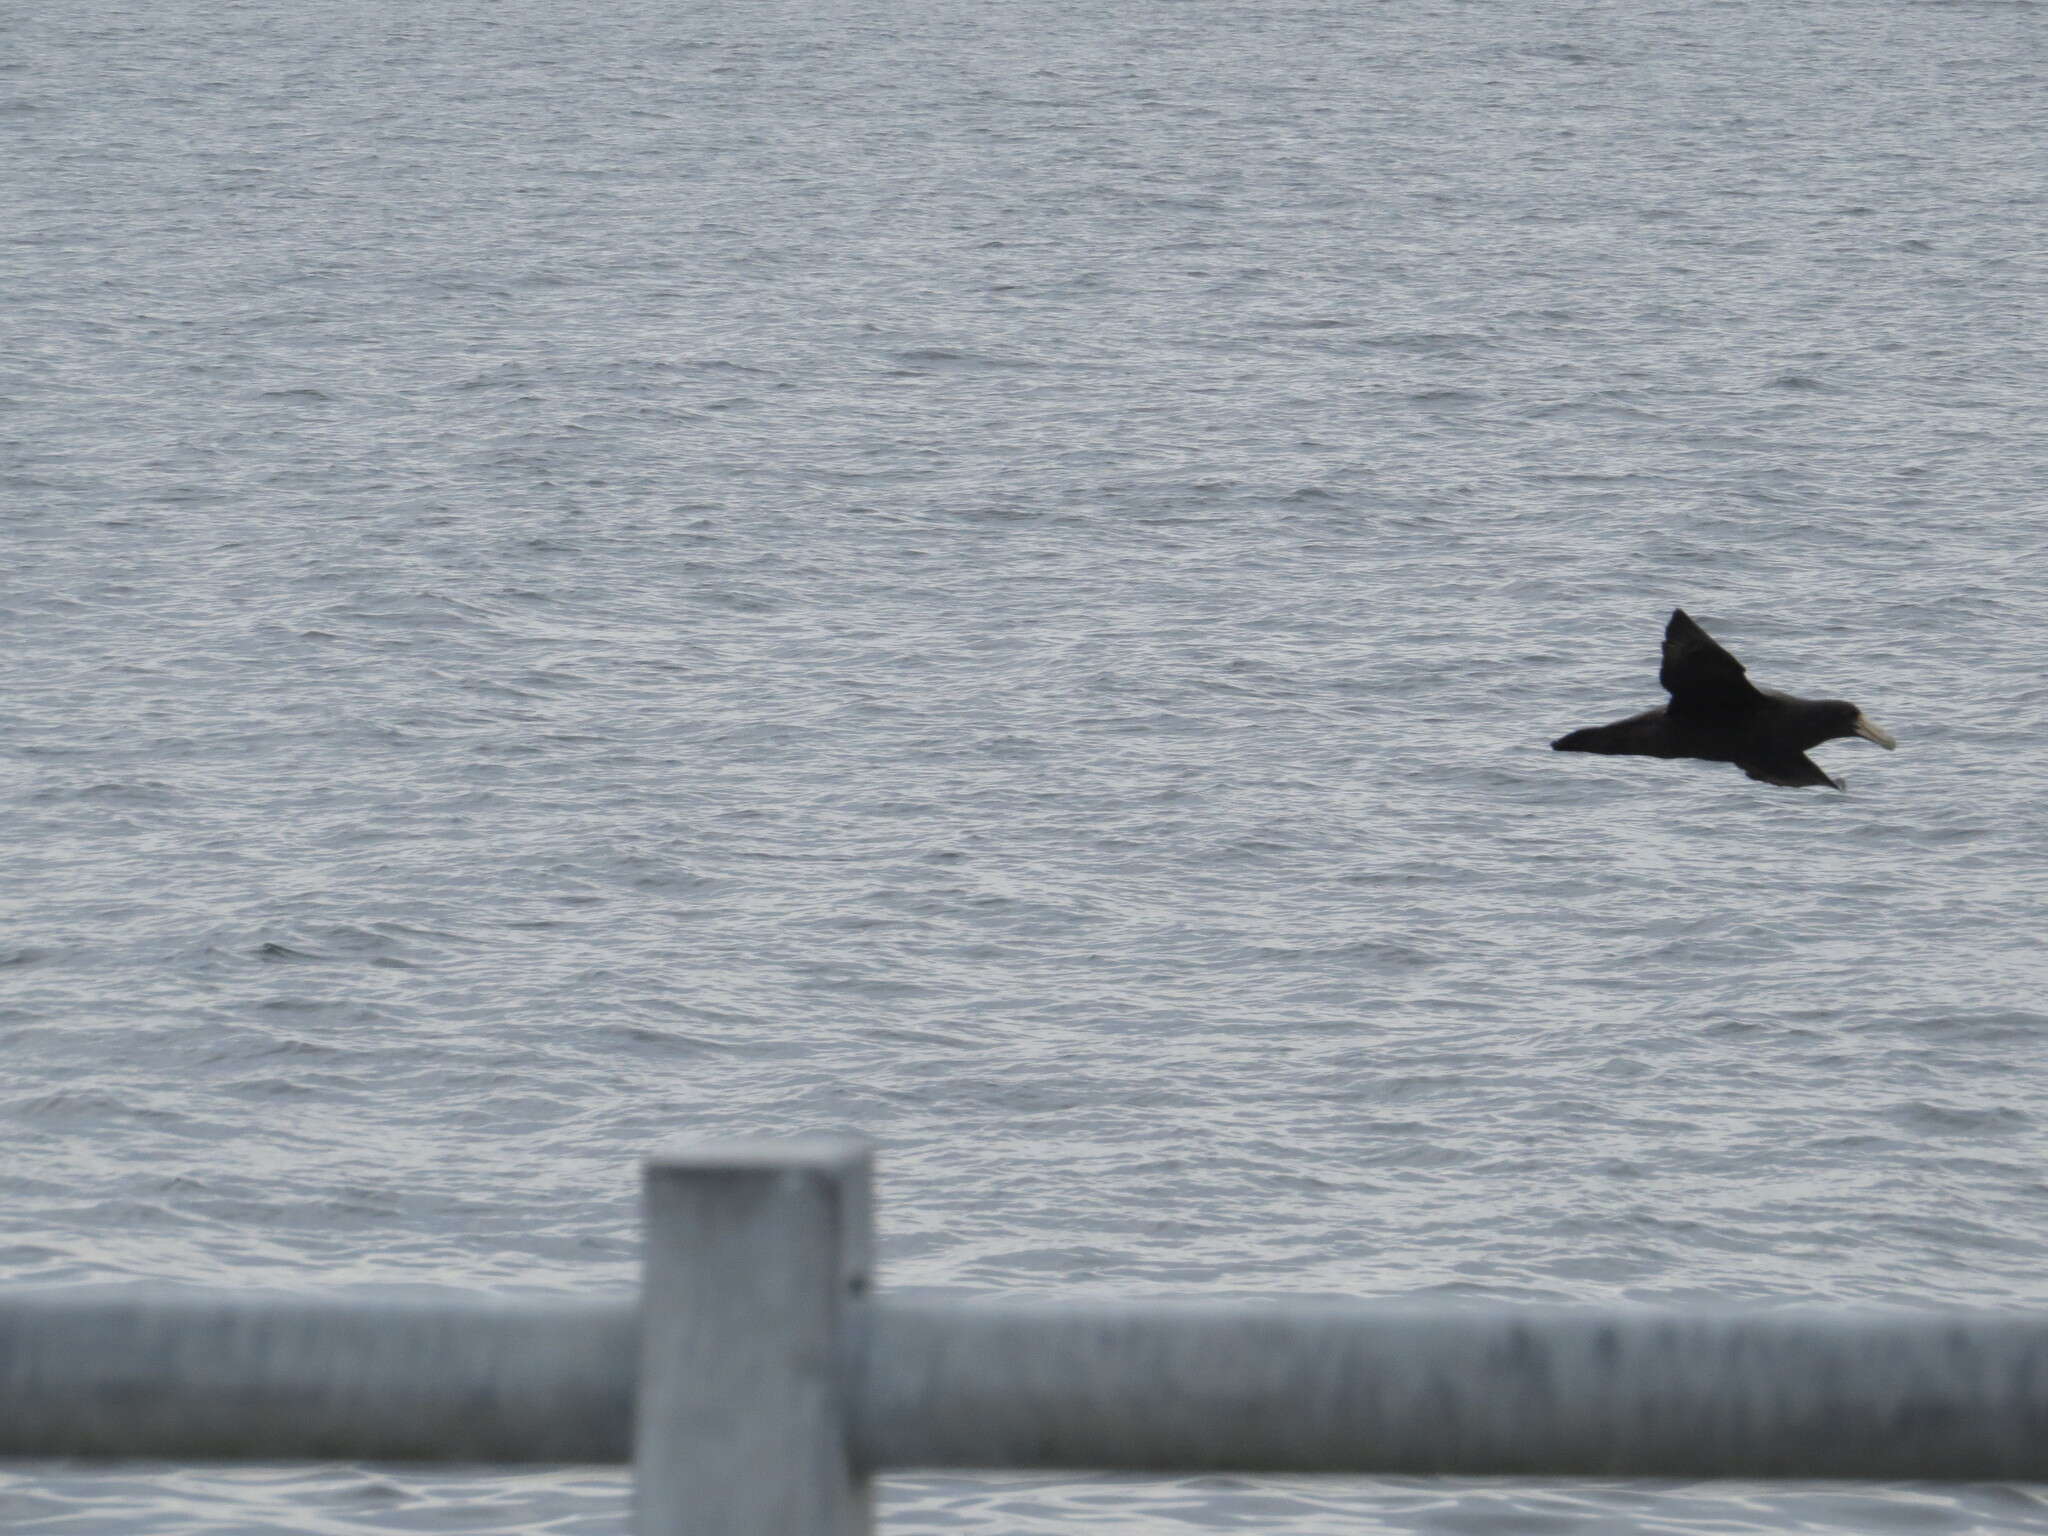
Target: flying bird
(1718, 714)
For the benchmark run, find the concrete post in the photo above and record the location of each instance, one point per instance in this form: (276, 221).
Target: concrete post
(755, 1252)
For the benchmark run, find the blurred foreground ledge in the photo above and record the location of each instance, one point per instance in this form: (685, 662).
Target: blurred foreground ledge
(758, 1384)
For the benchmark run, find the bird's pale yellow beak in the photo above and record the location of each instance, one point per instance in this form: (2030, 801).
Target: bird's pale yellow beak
(1870, 730)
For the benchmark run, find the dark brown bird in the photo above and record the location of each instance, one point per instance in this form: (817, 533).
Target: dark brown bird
(1718, 714)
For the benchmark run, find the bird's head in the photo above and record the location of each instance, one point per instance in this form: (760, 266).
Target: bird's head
(1844, 719)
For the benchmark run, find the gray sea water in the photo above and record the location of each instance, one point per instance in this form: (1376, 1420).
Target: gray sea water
(1000, 576)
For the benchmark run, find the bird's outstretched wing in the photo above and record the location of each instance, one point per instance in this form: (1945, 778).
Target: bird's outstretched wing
(1696, 671)
(1794, 770)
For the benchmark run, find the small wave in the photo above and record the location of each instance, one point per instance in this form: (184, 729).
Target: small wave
(947, 360)
(1956, 1120)
(131, 792)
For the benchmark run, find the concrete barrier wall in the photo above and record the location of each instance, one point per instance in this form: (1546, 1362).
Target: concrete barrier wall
(758, 1384)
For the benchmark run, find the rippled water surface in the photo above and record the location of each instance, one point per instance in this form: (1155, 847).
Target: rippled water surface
(1000, 576)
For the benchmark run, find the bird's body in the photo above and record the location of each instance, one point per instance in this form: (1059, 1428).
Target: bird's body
(1718, 714)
